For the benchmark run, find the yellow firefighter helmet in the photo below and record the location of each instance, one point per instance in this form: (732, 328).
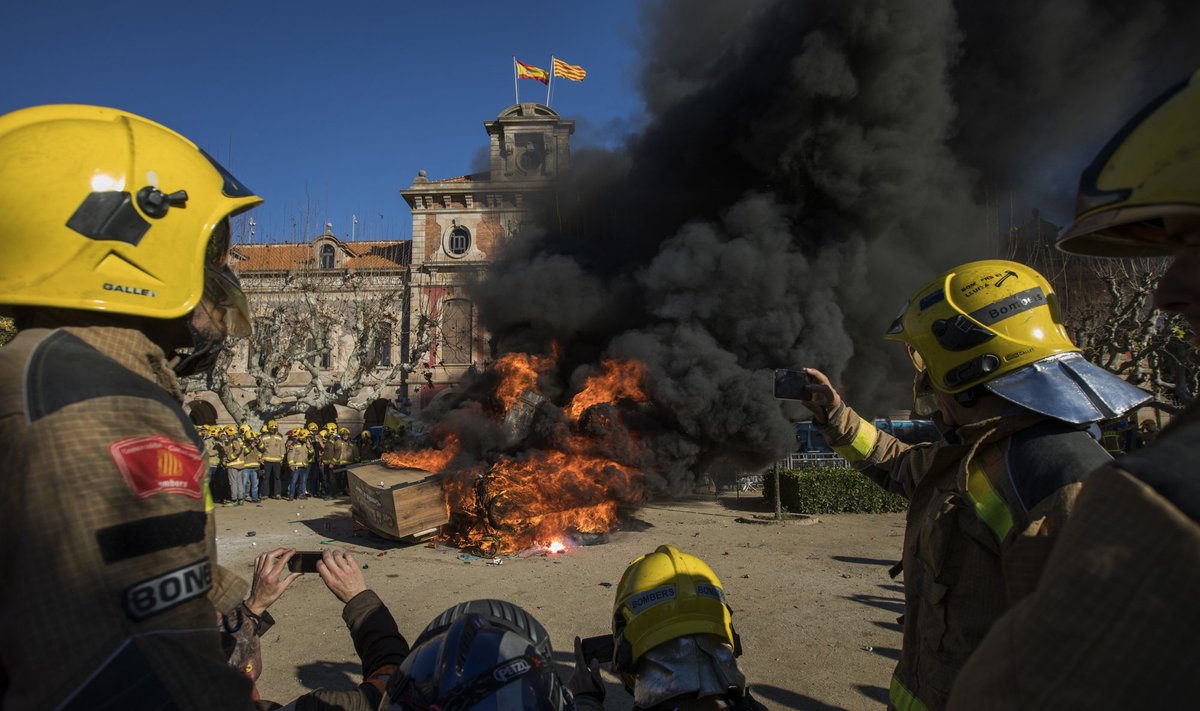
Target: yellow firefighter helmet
(997, 324)
(231, 430)
(108, 211)
(665, 595)
(311, 427)
(1149, 170)
(980, 320)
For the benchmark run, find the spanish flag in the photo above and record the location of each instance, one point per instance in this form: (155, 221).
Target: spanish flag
(567, 71)
(528, 71)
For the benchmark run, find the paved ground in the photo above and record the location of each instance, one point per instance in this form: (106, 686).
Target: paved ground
(813, 602)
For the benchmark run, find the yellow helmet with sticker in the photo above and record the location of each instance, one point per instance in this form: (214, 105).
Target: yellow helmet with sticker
(1148, 171)
(311, 427)
(331, 427)
(665, 595)
(231, 430)
(108, 211)
(272, 426)
(981, 320)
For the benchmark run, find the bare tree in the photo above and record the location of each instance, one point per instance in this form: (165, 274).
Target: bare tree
(1119, 329)
(320, 338)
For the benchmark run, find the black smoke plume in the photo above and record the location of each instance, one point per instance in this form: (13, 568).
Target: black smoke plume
(804, 167)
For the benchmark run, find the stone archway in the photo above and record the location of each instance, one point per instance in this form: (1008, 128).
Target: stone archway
(325, 414)
(375, 413)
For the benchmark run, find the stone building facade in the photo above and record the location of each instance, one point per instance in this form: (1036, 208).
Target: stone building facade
(458, 226)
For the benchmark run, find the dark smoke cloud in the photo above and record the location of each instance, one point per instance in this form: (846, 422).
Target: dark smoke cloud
(1042, 85)
(803, 168)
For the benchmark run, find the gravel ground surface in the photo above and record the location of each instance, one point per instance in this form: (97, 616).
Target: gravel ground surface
(812, 599)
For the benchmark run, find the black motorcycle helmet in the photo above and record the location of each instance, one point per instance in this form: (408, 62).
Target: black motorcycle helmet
(482, 655)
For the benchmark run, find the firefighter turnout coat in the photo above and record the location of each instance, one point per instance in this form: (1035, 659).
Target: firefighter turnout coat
(984, 507)
(273, 447)
(109, 556)
(1113, 621)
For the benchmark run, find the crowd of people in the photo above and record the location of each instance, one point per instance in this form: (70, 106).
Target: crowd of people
(1038, 571)
(268, 464)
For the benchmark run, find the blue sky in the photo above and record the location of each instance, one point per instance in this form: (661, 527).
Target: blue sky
(325, 109)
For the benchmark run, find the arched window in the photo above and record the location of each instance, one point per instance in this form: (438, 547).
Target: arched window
(457, 331)
(459, 241)
(202, 413)
(327, 260)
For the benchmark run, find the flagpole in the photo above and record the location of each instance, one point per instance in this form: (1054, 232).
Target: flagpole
(516, 95)
(550, 84)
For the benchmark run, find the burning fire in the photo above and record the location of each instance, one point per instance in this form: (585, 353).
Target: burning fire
(434, 460)
(519, 372)
(573, 481)
(618, 379)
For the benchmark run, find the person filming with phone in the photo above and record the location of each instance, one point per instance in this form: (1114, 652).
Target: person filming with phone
(377, 640)
(1012, 395)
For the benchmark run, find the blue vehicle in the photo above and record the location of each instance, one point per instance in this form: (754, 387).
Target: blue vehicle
(809, 439)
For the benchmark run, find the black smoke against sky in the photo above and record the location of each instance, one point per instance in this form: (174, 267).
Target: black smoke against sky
(805, 167)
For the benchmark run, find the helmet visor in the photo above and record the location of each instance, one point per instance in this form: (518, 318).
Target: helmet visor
(222, 291)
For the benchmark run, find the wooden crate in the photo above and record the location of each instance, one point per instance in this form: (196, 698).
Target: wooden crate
(401, 504)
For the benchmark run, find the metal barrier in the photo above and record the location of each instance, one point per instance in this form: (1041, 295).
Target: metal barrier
(799, 460)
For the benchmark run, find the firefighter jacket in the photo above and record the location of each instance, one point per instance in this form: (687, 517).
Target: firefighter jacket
(212, 452)
(273, 447)
(1112, 623)
(298, 454)
(984, 507)
(232, 450)
(251, 454)
(111, 561)
(381, 649)
(339, 452)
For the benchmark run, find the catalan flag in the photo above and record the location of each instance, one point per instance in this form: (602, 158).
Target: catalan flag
(528, 71)
(567, 71)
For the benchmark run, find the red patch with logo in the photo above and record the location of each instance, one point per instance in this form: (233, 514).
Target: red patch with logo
(159, 465)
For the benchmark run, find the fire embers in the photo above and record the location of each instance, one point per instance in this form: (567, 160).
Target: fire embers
(561, 472)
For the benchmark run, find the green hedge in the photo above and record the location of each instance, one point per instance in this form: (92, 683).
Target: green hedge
(826, 490)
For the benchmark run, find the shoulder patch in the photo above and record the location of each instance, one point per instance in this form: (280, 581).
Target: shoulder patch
(63, 370)
(1046, 457)
(156, 464)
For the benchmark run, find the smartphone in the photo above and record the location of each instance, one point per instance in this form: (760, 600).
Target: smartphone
(304, 562)
(600, 647)
(790, 385)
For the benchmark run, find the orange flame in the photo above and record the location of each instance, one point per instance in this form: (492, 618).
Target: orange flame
(542, 494)
(519, 372)
(617, 380)
(434, 460)
(534, 497)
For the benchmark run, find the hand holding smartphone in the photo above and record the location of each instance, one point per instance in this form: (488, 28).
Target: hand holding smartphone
(304, 562)
(792, 385)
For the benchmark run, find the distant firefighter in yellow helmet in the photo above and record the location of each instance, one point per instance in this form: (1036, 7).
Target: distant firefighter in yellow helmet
(115, 236)
(1013, 395)
(673, 641)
